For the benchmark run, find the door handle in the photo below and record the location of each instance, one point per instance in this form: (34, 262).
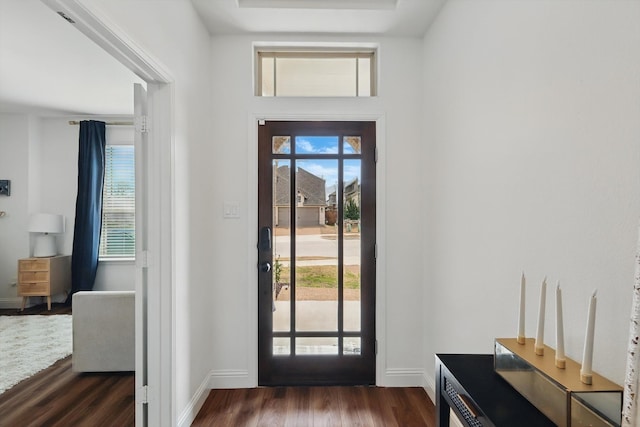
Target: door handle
(265, 267)
(264, 242)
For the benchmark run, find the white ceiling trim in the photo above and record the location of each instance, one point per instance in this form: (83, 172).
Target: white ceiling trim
(104, 33)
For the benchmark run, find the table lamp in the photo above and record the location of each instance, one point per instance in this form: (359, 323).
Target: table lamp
(48, 225)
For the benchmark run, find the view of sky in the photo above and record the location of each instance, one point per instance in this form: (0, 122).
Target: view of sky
(326, 169)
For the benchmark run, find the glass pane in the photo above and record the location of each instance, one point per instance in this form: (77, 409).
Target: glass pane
(282, 346)
(352, 145)
(314, 346)
(316, 76)
(268, 78)
(317, 145)
(281, 246)
(351, 229)
(117, 239)
(281, 144)
(316, 262)
(351, 345)
(364, 76)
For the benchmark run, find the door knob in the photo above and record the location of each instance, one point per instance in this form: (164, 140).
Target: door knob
(265, 267)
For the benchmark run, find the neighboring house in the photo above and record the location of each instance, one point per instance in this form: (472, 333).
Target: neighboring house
(351, 193)
(310, 200)
(332, 201)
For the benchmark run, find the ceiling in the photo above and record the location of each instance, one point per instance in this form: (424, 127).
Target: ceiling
(48, 67)
(388, 17)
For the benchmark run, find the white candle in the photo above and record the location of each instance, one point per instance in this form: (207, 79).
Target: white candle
(587, 356)
(521, 312)
(559, 329)
(539, 346)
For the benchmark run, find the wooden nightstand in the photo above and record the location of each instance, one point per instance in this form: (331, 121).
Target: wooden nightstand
(43, 277)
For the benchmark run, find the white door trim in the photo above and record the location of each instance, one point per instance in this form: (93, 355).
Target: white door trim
(252, 229)
(160, 220)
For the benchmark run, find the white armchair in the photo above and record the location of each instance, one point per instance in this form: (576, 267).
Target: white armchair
(103, 331)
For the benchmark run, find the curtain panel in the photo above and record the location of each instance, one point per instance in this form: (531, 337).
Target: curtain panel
(88, 221)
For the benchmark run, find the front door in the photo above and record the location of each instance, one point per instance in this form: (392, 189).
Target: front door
(316, 253)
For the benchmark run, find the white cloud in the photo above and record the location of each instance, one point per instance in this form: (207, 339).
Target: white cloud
(304, 146)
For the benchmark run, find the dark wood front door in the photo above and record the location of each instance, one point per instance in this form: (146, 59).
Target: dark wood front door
(316, 253)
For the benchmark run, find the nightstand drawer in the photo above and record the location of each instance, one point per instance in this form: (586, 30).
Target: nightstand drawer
(33, 288)
(33, 264)
(43, 277)
(33, 276)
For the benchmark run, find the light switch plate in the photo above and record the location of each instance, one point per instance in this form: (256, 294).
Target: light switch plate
(231, 209)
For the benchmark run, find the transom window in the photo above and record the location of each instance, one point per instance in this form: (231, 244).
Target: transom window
(315, 73)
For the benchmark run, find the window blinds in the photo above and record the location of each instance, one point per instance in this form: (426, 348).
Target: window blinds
(117, 240)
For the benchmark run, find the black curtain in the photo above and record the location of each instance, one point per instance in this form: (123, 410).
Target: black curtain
(86, 233)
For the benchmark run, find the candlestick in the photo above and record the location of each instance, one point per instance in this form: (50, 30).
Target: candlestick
(587, 356)
(539, 345)
(560, 359)
(521, 336)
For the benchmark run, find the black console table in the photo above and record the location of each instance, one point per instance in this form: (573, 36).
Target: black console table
(468, 384)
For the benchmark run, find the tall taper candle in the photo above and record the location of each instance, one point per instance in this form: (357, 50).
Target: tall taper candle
(521, 312)
(539, 345)
(560, 359)
(587, 356)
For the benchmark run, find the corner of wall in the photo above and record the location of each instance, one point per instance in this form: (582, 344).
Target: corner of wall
(190, 412)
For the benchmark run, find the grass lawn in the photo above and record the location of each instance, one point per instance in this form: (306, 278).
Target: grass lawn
(323, 276)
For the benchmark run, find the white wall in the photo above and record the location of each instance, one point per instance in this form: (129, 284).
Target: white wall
(14, 238)
(532, 123)
(173, 34)
(42, 155)
(233, 319)
(58, 184)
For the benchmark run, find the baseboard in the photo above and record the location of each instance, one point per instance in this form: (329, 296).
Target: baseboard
(402, 377)
(195, 404)
(8, 303)
(429, 386)
(215, 379)
(230, 378)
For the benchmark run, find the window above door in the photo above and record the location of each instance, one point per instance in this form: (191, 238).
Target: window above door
(315, 72)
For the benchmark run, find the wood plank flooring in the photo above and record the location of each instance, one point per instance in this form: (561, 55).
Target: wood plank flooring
(59, 397)
(317, 406)
(56, 308)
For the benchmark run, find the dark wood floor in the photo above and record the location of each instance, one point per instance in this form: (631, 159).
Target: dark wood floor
(318, 406)
(56, 308)
(59, 397)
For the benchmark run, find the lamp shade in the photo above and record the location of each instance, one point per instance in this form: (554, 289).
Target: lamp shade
(46, 223)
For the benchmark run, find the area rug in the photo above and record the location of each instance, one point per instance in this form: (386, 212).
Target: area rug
(29, 344)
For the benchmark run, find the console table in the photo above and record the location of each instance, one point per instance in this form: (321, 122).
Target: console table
(468, 384)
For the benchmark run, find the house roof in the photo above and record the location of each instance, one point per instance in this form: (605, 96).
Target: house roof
(309, 185)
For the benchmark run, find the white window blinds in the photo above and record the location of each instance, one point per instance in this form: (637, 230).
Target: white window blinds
(117, 240)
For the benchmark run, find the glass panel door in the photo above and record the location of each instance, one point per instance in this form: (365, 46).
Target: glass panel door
(317, 270)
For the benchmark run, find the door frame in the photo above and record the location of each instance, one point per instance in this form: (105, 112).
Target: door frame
(159, 262)
(317, 369)
(252, 229)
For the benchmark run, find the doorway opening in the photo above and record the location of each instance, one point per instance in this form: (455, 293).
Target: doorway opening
(316, 253)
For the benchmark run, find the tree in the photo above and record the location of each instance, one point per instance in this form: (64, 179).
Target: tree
(352, 210)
